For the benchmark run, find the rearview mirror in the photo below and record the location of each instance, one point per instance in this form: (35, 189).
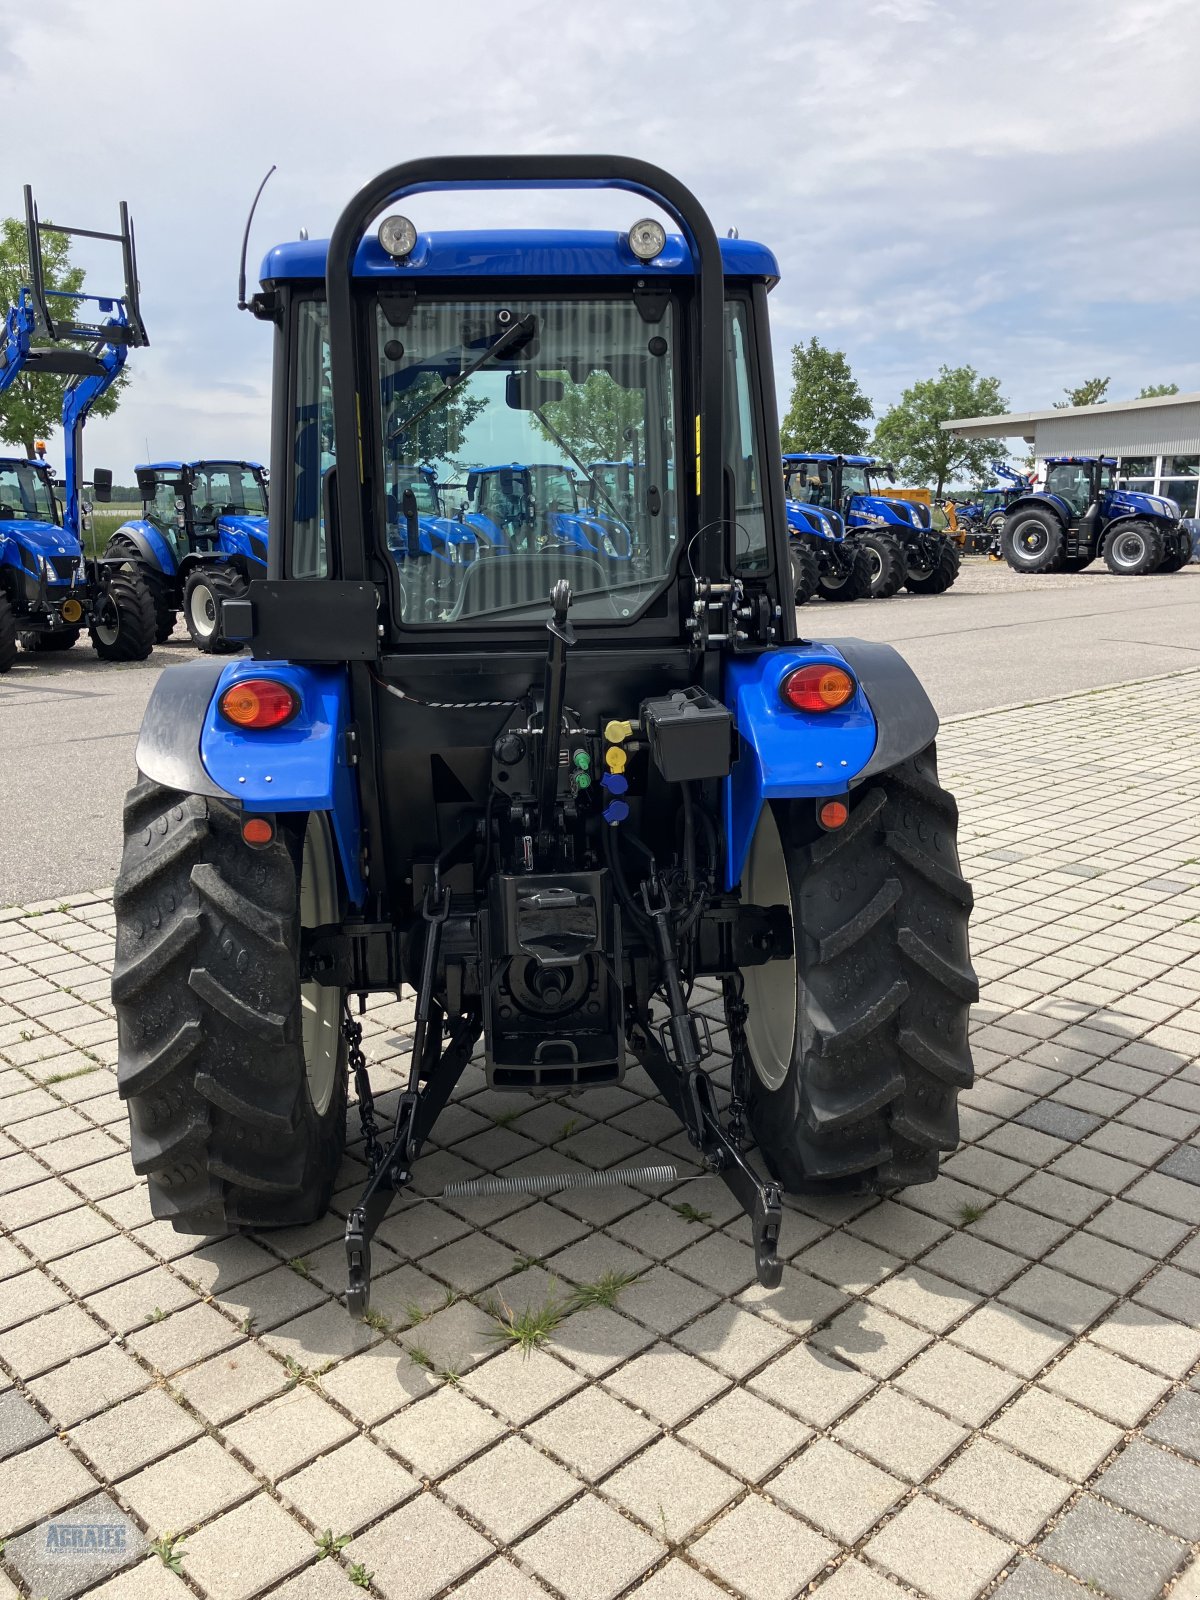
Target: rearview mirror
(102, 484)
(525, 391)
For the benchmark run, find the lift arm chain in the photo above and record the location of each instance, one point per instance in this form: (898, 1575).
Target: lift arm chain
(352, 1033)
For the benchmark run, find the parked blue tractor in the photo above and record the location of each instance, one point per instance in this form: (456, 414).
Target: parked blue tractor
(576, 815)
(824, 561)
(49, 589)
(904, 549)
(200, 539)
(1083, 512)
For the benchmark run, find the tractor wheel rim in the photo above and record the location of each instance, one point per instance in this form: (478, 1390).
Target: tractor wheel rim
(772, 989)
(1129, 549)
(320, 1004)
(108, 621)
(202, 609)
(1033, 539)
(875, 561)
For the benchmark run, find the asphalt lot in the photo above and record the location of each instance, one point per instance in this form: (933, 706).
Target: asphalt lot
(997, 638)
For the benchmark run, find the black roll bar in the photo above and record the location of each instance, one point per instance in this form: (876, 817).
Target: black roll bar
(533, 172)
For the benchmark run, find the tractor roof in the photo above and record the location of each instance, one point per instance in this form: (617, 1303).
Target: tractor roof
(524, 466)
(518, 253)
(24, 461)
(826, 455)
(208, 461)
(1080, 461)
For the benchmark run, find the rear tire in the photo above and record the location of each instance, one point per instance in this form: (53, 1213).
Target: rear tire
(8, 635)
(943, 573)
(1032, 541)
(885, 559)
(1133, 549)
(59, 639)
(234, 1072)
(122, 623)
(805, 572)
(856, 585)
(859, 1044)
(202, 597)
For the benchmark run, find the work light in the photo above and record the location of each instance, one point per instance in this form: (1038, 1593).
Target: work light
(397, 236)
(647, 239)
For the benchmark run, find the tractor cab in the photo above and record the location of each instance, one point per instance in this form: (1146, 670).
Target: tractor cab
(202, 535)
(1083, 512)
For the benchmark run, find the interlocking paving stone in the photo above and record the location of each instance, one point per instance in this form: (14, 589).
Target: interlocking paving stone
(1056, 1433)
(1153, 1341)
(999, 1488)
(593, 1432)
(871, 1338)
(1183, 1163)
(439, 1432)
(676, 1581)
(1118, 1553)
(75, 1549)
(761, 1552)
(187, 1487)
(666, 1384)
(1156, 1485)
(956, 1382)
(671, 1489)
(813, 1385)
(1178, 1424)
(589, 1551)
(1009, 1338)
(128, 1436)
(20, 1424)
(1030, 1580)
(510, 1488)
(900, 1434)
(922, 1297)
(518, 1384)
(286, 1432)
(1176, 1294)
(1105, 1383)
(49, 1477)
(349, 1487)
(937, 1551)
(1101, 1262)
(733, 1339)
(745, 1434)
(246, 1549)
(835, 1489)
(1062, 1301)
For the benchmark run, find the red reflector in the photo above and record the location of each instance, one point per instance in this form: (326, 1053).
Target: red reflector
(259, 703)
(257, 830)
(833, 814)
(817, 688)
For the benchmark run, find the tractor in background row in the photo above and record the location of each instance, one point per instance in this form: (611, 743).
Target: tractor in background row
(1082, 513)
(570, 811)
(824, 561)
(200, 539)
(904, 549)
(49, 590)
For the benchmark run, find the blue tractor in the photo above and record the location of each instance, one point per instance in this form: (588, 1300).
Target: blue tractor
(823, 560)
(1083, 512)
(575, 814)
(200, 539)
(516, 507)
(904, 549)
(49, 589)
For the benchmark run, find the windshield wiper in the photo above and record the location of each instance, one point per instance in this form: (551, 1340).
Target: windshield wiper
(525, 328)
(588, 478)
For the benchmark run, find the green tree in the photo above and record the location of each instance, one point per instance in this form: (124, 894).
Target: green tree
(438, 435)
(32, 408)
(828, 410)
(1153, 390)
(594, 417)
(1091, 392)
(911, 436)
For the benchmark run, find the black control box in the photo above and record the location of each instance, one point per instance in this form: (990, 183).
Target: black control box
(690, 735)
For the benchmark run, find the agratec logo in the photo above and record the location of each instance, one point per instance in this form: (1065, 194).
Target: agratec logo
(84, 1538)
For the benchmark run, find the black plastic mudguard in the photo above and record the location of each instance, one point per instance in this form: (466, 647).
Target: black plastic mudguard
(168, 747)
(904, 714)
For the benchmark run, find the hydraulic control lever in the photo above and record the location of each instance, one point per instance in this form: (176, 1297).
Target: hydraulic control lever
(562, 636)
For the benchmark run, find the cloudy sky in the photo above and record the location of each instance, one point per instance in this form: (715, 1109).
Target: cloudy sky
(1013, 184)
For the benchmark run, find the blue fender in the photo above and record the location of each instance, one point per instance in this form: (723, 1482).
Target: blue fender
(187, 745)
(1024, 501)
(154, 548)
(785, 754)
